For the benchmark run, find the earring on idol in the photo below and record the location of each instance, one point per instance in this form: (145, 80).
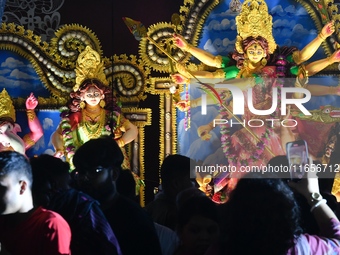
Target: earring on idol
(264, 61)
(82, 104)
(102, 103)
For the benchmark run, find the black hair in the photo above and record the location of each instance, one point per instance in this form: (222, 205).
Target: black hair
(46, 168)
(103, 152)
(12, 162)
(196, 206)
(175, 166)
(176, 175)
(262, 217)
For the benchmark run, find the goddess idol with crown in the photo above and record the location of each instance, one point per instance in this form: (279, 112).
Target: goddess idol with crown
(92, 112)
(257, 62)
(9, 139)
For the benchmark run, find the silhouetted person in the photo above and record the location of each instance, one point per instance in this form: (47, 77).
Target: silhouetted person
(91, 232)
(262, 217)
(197, 225)
(175, 177)
(98, 164)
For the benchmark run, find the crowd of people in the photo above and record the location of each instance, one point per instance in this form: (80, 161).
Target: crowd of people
(44, 209)
(82, 199)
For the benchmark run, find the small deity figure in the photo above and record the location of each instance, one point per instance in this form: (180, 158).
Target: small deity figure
(92, 112)
(9, 139)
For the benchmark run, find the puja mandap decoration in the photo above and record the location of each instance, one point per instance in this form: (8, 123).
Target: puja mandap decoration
(133, 77)
(192, 23)
(54, 64)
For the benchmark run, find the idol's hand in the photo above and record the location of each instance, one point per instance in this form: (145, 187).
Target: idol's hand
(204, 132)
(180, 42)
(335, 57)
(182, 69)
(288, 114)
(183, 105)
(328, 29)
(59, 154)
(309, 184)
(179, 78)
(31, 102)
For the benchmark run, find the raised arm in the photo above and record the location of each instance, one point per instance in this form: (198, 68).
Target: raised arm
(36, 131)
(202, 55)
(309, 188)
(317, 66)
(308, 51)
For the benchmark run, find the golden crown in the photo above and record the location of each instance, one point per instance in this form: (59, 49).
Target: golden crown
(89, 66)
(254, 20)
(6, 106)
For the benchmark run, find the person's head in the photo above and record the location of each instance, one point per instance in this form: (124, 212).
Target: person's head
(175, 174)
(263, 216)
(280, 162)
(91, 92)
(50, 175)
(15, 183)
(97, 166)
(197, 224)
(126, 184)
(186, 194)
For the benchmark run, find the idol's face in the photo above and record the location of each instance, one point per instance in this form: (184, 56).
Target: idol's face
(255, 53)
(93, 96)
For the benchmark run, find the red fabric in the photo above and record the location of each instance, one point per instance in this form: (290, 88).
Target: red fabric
(315, 133)
(75, 119)
(44, 232)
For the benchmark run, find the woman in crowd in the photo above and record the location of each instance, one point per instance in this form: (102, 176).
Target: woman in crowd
(263, 217)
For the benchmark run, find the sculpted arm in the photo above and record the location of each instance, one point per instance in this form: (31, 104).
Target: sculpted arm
(58, 144)
(130, 132)
(36, 131)
(321, 64)
(308, 51)
(202, 55)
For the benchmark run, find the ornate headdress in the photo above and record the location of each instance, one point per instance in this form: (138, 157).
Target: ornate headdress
(89, 66)
(6, 106)
(254, 20)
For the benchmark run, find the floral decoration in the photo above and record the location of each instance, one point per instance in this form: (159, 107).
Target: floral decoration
(66, 131)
